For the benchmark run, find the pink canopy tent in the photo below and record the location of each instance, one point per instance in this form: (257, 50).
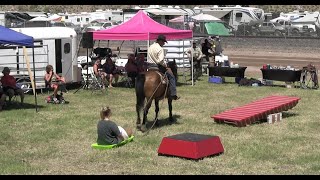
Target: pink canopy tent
(141, 27)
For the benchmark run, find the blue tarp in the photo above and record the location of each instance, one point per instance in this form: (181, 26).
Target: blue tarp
(8, 36)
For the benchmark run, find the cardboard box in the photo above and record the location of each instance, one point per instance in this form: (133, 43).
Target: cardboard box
(272, 118)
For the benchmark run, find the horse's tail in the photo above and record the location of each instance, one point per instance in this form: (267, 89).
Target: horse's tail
(140, 79)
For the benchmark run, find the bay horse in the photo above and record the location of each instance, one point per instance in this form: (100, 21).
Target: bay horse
(150, 86)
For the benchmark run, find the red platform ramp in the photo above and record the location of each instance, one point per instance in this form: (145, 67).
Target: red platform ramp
(191, 146)
(257, 110)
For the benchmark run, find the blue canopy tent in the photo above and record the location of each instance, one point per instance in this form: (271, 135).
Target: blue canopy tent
(8, 36)
(11, 37)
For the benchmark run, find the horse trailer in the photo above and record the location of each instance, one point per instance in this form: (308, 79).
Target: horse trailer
(56, 46)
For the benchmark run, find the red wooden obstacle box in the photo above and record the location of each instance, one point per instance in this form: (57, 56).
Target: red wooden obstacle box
(190, 145)
(257, 110)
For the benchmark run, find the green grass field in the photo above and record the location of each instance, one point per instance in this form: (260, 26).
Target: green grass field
(57, 139)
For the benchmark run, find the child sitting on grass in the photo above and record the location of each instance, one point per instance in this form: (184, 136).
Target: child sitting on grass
(108, 131)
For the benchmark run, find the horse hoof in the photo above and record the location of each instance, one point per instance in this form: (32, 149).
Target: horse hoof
(157, 123)
(138, 127)
(143, 128)
(172, 120)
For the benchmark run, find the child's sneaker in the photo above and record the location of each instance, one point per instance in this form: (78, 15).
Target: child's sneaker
(55, 100)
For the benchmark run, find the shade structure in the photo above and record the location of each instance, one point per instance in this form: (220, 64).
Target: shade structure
(141, 27)
(205, 17)
(177, 19)
(8, 36)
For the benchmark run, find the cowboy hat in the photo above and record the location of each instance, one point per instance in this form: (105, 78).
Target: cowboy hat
(5, 69)
(161, 38)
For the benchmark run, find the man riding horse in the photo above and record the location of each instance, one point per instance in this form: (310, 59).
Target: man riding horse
(156, 60)
(151, 85)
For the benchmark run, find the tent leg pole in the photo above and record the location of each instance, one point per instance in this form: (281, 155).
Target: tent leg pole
(34, 80)
(87, 68)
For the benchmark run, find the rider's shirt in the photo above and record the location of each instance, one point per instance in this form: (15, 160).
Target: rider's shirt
(156, 55)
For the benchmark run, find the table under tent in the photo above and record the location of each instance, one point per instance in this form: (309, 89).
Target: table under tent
(142, 28)
(10, 37)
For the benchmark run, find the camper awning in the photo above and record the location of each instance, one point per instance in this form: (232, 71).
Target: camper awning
(171, 12)
(218, 14)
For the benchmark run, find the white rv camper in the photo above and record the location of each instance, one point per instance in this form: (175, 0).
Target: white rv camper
(56, 46)
(236, 15)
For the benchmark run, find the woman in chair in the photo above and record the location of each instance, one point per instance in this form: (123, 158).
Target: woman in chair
(54, 81)
(141, 63)
(97, 69)
(131, 68)
(110, 69)
(9, 85)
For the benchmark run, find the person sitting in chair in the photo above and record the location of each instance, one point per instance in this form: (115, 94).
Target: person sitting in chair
(156, 59)
(54, 81)
(131, 68)
(9, 85)
(141, 63)
(110, 69)
(97, 69)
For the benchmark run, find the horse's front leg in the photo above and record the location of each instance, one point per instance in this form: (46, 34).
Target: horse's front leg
(156, 103)
(139, 108)
(145, 114)
(170, 110)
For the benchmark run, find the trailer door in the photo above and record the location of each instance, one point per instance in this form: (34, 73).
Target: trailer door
(66, 59)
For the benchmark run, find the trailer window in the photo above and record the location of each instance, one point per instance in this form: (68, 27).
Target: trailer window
(238, 15)
(66, 48)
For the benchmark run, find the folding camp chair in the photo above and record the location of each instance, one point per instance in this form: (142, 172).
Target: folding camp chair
(94, 82)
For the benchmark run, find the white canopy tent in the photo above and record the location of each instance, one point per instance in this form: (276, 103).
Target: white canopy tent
(205, 17)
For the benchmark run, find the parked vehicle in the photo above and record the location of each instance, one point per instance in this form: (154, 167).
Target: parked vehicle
(297, 29)
(56, 46)
(269, 28)
(99, 24)
(66, 24)
(235, 16)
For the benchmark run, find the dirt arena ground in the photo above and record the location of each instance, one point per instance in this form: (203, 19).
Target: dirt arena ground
(251, 52)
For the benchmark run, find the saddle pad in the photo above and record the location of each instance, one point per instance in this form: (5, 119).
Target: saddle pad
(97, 146)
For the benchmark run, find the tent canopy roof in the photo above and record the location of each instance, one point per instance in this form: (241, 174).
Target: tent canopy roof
(8, 36)
(141, 27)
(205, 17)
